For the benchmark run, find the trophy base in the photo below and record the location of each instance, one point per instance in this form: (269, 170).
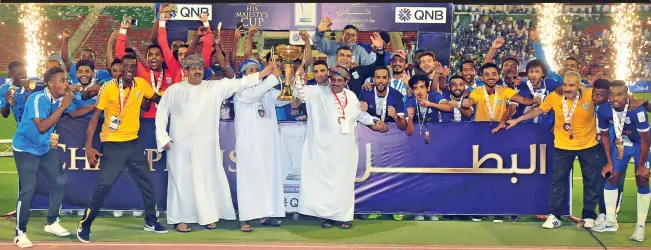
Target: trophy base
(286, 98)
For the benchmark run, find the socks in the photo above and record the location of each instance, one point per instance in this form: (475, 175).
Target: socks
(642, 207)
(610, 199)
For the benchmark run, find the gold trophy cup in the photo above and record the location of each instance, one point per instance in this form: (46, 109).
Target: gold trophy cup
(288, 54)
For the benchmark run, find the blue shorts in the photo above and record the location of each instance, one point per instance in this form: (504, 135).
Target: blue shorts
(630, 151)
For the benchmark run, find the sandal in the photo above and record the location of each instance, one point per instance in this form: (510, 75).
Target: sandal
(187, 228)
(246, 227)
(327, 224)
(270, 222)
(211, 226)
(346, 225)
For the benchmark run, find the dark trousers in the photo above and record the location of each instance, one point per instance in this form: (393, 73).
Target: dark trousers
(563, 164)
(117, 156)
(601, 182)
(27, 166)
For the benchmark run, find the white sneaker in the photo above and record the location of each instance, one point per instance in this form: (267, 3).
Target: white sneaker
(419, 218)
(551, 222)
(56, 229)
(21, 241)
(638, 234)
(117, 213)
(606, 226)
(600, 219)
(588, 223)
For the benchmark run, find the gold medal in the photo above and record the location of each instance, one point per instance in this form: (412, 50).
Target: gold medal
(340, 119)
(32, 85)
(620, 148)
(426, 137)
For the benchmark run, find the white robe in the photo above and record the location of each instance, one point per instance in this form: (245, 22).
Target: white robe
(329, 163)
(259, 171)
(197, 189)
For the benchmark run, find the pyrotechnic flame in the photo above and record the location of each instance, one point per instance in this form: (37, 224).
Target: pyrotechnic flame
(550, 32)
(33, 21)
(626, 42)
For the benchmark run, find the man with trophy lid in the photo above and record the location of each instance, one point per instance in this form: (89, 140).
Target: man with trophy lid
(574, 137)
(198, 190)
(260, 192)
(631, 140)
(330, 152)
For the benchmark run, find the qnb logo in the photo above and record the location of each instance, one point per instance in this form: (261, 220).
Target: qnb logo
(421, 15)
(404, 14)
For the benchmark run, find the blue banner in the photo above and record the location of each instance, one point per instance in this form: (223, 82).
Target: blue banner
(464, 170)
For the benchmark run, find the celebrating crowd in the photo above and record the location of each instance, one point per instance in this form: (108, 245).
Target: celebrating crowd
(596, 120)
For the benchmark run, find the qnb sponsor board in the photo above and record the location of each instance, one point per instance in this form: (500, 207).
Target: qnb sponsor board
(420, 15)
(189, 12)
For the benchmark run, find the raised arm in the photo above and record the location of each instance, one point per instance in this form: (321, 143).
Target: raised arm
(227, 87)
(327, 47)
(109, 49)
(64, 48)
(172, 64)
(253, 94)
(228, 73)
(236, 40)
(497, 44)
(307, 50)
(248, 49)
(121, 43)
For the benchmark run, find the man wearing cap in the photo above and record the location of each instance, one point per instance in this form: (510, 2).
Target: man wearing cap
(260, 193)
(198, 191)
(330, 153)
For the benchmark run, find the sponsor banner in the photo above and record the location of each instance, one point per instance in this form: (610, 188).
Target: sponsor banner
(424, 17)
(465, 170)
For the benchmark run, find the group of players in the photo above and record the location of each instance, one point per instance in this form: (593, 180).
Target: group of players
(423, 93)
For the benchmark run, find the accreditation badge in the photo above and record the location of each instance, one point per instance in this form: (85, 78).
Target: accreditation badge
(114, 123)
(345, 125)
(54, 140)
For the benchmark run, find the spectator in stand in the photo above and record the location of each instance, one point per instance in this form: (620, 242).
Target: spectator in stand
(331, 48)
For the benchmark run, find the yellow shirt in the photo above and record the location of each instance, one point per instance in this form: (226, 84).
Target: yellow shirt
(583, 121)
(109, 102)
(482, 114)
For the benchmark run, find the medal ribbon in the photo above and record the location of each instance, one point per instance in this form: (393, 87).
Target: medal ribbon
(566, 114)
(491, 109)
(340, 108)
(421, 120)
(457, 112)
(381, 103)
(156, 84)
(123, 100)
(619, 124)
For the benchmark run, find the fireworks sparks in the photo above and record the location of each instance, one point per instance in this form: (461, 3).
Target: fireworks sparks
(550, 32)
(33, 20)
(626, 42)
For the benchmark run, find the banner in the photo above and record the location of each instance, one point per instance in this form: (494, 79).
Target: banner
(423, 17)
(464, 170)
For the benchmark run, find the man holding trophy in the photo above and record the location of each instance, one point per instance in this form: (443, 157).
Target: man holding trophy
(260, 192)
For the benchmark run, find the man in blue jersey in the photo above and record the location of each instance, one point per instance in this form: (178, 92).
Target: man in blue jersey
(86, 79)
(383, 101)
(455, 96)
(600, 95)
(538, 87)
(34, 145)
(632, 139)
(16, 91)
(424, 106)
(469, 74)
(87, 54)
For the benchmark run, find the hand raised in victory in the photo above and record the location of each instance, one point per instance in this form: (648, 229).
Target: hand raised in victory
(267, 70)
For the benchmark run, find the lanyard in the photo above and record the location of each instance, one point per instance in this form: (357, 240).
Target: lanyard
(123, 100)
(544, 88)
(156, 84)
(421, 120)
(457, 112)
(340, 108)
(381, 103)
